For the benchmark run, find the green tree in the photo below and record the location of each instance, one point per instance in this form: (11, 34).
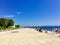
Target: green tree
(10, 22)
(4, 22)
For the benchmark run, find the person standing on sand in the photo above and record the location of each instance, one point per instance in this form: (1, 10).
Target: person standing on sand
(40, 30)
(56, 30)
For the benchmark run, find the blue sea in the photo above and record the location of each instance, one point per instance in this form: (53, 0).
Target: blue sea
(49, 28)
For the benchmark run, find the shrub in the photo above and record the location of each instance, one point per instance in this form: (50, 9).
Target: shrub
(17, 26)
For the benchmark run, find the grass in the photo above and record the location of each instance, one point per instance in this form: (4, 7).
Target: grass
(7, 29)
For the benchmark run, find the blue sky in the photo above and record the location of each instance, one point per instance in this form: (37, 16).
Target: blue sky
(31, 12)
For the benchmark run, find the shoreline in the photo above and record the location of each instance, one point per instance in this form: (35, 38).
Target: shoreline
(12, 29)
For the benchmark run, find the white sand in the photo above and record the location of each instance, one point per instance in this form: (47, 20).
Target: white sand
(26, 36)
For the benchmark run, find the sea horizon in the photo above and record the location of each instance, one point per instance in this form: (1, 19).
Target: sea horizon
(49, 28)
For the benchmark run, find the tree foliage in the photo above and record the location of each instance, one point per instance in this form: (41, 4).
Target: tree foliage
(17, 26)
(10, 22)
(4, 22)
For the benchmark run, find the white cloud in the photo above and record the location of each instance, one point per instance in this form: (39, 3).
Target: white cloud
(19, 12)
(8, 16)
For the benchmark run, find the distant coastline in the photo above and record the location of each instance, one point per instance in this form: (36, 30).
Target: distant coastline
(50, 28)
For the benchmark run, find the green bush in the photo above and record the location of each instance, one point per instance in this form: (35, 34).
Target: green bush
(0, 28)
(17, 26)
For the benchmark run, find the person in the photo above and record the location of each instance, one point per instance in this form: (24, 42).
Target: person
(36, 29)
(40, 30)
(56, 30)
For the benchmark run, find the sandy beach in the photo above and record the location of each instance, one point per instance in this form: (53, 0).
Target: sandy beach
(27, 36)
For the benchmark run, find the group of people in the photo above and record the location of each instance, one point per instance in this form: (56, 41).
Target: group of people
(56, 30)
(40, 30)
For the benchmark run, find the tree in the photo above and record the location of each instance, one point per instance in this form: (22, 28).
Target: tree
(4, 22)
(10, 22)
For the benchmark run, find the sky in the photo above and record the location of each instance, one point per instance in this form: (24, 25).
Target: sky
(31, 12)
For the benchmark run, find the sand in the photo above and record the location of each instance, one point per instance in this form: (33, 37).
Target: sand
(27, 36)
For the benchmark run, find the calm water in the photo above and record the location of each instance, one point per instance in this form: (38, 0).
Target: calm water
(50, 28)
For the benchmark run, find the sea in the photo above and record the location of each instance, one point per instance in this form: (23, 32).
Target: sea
(49, 28)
